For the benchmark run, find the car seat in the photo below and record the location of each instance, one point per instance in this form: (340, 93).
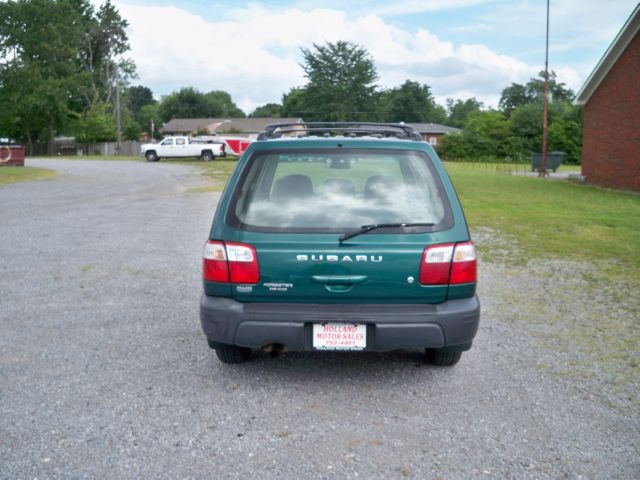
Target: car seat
(292, 187)
(380, 187)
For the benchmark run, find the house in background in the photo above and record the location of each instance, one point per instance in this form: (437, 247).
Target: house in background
(611, 99)
(432, 133)
(213, 126)
(250, 127)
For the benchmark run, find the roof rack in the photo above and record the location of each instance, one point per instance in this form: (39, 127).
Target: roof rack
(346, 129)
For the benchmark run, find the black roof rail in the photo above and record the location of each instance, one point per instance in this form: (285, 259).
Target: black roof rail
(347, 129)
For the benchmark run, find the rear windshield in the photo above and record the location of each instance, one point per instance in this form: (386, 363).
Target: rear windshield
(329, 191)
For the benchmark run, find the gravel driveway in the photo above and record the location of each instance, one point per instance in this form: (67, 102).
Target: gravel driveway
(105, 373)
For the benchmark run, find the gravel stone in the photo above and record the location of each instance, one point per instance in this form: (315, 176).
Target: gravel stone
(105, 372)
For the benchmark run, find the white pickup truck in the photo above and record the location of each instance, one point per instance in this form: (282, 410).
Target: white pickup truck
(174, 147)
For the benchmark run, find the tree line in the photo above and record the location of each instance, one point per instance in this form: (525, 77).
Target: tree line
(64, 70)
(341, 86)
(514, 130)
(62, 63)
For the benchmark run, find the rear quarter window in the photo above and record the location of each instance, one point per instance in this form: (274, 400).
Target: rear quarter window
(332, 190)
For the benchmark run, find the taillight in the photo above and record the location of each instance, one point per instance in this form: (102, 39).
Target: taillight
(243, 263)
(448, 264)
(464, 265)
(231, 262)
(214, 262)
(436, 265)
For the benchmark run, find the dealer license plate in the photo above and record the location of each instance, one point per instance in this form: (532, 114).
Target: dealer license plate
(339, 336)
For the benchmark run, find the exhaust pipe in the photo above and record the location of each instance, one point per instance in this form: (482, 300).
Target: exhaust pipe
(275, 349)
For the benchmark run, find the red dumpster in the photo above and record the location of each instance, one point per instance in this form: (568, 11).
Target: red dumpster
(11, 155)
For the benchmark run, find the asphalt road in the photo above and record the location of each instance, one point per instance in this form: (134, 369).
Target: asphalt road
(105, 373)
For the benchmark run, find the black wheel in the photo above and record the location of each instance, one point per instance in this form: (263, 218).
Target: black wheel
(442, 358)
(207, 156)
(151, 156)
(232, 353)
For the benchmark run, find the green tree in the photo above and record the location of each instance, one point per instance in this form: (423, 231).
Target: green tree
(56, 61)
(517, 95)
(148, 114)
(98, 125)
(102, 51)
(224, 104)
(341, 83)
(459, 110)
(269, 110)
(293, 103)
(525, 123)
(137, 97)
(188, 103)
(21, 114)
(512, 97)
(412, 103)
(487, 132)
(456, 146)
(565, 134)
(557, 90)
(131, 129)
(38, 49)
(516, 132)
(191, 103)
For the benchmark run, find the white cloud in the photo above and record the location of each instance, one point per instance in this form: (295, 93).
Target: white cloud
(253, 53)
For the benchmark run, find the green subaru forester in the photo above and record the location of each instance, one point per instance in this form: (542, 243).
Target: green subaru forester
(339, 236)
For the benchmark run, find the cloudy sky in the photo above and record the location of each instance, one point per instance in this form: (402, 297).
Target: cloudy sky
(461, 48)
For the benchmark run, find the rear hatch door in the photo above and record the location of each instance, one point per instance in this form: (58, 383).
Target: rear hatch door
(293, 204)
(371, 268)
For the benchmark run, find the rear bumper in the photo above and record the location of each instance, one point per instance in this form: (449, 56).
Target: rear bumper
(452, 324)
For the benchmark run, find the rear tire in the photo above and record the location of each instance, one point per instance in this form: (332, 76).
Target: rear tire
(207, 156)
(151, 156)
(232, 353)
(442, 358)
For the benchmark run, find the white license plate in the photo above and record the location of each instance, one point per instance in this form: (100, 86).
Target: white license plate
(339, 336)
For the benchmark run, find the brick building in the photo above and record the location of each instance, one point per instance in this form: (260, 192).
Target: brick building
(611, 99)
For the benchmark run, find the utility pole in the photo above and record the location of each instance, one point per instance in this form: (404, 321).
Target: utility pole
(543, 166)
(118, 125)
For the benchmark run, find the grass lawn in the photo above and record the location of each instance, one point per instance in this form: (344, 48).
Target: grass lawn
(24, 174)
(216, 173)
(554, 218)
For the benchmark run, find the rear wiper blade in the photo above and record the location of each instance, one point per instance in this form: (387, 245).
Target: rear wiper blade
(368, 228)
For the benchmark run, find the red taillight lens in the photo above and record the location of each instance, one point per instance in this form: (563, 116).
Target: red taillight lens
(233, 262)
(243, 263)
(448, 264)
(464, 265)
(214, 262)
(436, 264)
